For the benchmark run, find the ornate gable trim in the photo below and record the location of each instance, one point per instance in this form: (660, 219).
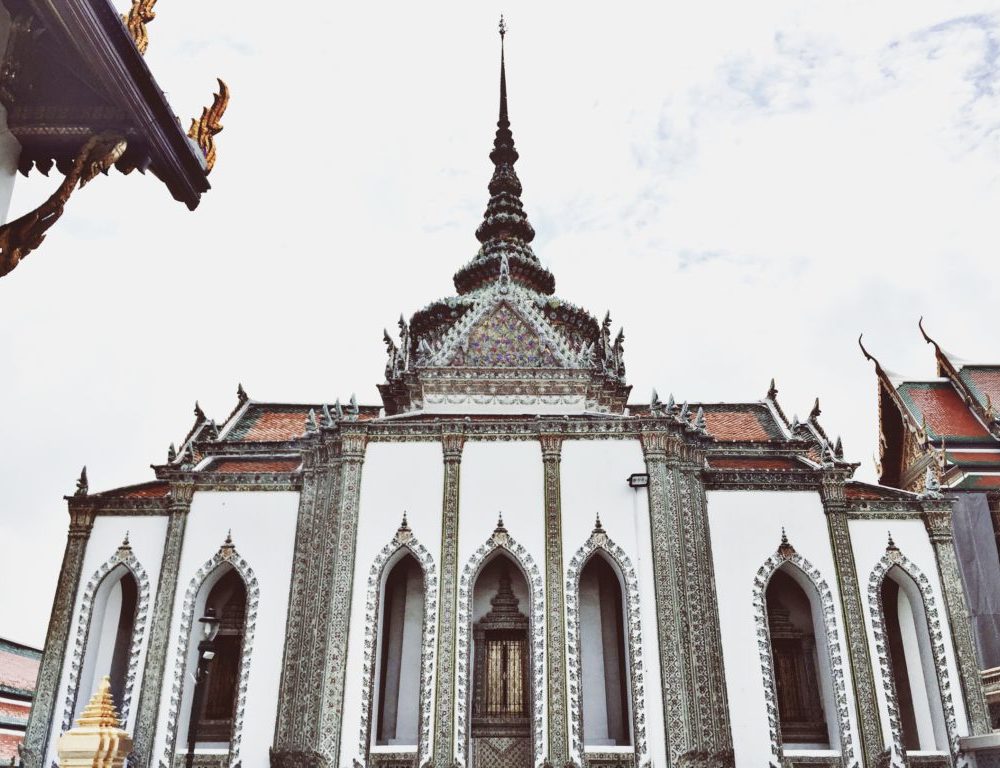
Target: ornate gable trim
(403, 540)
(599, 540)
(500, 539)
(125, 558)
(893, 558)
(785, 554)
(227, 554)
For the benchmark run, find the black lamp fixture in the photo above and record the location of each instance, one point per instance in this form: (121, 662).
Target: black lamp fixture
(206, 652)
(638, 480)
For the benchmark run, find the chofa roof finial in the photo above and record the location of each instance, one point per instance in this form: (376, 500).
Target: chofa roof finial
(82, 486)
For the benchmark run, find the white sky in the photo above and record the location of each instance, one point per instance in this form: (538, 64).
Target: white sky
(746, 186)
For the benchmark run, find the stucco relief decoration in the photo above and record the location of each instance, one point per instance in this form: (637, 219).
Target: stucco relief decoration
(227, 554)
(786, 555)
(404, 539)
(125, 558)
(504, 339)
(599, 540)
(500, 539)
(894, 558)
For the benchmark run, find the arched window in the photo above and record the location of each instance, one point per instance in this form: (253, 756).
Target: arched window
(501, 682)
(399, 647)
(606, 720)
(911, 663)
(109, 640)
(800, 662)
(209, 707)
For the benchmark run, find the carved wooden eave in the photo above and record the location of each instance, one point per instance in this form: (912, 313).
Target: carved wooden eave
(71, 70)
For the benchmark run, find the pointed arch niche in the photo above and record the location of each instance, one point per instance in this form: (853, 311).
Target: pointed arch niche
(400, 630)
(227, 583)
(912, 661)
(499, 583)
(604, 649)
(799, 646)
(109, 632)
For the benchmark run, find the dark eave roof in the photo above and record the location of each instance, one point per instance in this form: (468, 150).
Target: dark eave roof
(95, 30)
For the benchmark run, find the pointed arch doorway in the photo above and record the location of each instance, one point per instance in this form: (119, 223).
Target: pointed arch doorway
(501, 726)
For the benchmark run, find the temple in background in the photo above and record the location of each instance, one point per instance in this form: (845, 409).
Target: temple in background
(511, 562)
(947, 430)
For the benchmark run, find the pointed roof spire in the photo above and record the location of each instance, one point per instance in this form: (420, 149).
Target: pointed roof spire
(505, 229)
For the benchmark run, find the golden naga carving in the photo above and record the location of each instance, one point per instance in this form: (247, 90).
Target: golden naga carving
(21, 236)
(204, 130)
(139, 15)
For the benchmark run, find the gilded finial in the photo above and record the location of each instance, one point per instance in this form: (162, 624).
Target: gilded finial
(502, 27)
(785, 547)
(125, 546)
(891, 546)
(171, 454)
(82, 486)
(199, 414)
(100, 710)
(598, 528)
(772, 391)
(204, 130)
(815, 412)
(404, 525)
(500, 526)
(241, 394)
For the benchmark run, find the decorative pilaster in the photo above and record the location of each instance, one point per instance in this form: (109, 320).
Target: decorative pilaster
(671, 624)
(937, 520)
(36, 737)
(705, 652)
(352, 456)
(444, 707)
(292, 715)
(858, 652)
(555, 602)
(159, 627)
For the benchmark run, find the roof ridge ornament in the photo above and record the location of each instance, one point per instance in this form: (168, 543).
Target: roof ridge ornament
(82, 486)
(204, 129)
(932, 486)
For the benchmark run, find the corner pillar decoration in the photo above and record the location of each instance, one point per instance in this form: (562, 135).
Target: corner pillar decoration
(937, 520)
(555, 602)
(705, 641)
(858, 652)
(444, 705)
(298, 704)
(695, 704)
(36, 737)
(352, 456)
(159, 627)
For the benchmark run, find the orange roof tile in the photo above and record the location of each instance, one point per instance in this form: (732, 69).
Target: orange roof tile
(741, 424)
(19, 669)
(983, 381)
(8, 746)
(254, 465)
(754, 462)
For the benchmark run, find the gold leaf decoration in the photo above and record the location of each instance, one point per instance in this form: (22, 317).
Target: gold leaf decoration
(139, 15)
(21, 236)
(204, 129)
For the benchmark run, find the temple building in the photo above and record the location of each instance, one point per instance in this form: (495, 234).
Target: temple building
(509, 562)
(18, 672)
(946, 431)
(76, 94)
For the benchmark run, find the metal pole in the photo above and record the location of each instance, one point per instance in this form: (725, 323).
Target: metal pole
(204, 658)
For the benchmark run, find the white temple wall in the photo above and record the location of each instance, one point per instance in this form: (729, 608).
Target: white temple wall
(396, 477)
(146, 536)
(502, 477)
(745, 528)
(263, 531)
(869, 538)
(593, 480)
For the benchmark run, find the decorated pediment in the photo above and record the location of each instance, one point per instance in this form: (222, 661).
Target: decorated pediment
(502, 338)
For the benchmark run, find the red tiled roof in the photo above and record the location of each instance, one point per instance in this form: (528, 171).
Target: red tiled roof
(8, 746)
(14, 711)
(254, 465)
(973, 457)
(870, 492)
(260, 424)
(984, 381)
(945, 412)
(754, 462)
(155, 489)
(741, 425)
(19, 669)
(979, 483)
